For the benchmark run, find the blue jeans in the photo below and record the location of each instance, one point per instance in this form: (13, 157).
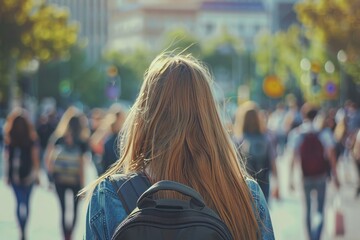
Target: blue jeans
(317, 184)
(22, 193)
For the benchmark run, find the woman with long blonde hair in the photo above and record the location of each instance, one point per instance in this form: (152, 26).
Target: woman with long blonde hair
(174, 132)
(65, 159)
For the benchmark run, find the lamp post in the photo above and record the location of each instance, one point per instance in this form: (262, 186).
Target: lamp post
(30, 86)
(342, 58)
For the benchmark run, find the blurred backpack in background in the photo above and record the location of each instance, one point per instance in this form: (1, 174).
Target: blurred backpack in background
(67, 164)
(312, 155)
(256, 149)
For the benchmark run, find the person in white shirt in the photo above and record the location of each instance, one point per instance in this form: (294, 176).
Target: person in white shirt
(314, 177)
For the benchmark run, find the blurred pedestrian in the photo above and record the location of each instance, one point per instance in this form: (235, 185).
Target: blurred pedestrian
(356, 155)
(111, 154)
(293, 116)
(45, 127)
(98, 134)
(65, 157)
(276, 126)
(22, 155)
(325, 123)
(174, 132)
(251, 138)
(316, 151)
(340, 136)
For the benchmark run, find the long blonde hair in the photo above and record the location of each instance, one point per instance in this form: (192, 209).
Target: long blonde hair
(63, 124)
(174, 132)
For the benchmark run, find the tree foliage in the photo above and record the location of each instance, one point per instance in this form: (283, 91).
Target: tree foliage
(180, 40)
(337, 24)
(29, 29)
(223, 56)
(82, 82)
(279, 54)
(286, 54)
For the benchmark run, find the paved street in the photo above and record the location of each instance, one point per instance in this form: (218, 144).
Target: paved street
(44, 221)
(287, 214)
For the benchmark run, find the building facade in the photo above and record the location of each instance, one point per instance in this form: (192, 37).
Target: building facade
(124, 25)
(93, 19)
(144, 23)
(242, 19)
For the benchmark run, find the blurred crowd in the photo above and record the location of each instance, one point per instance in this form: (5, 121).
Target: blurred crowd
(59, 143)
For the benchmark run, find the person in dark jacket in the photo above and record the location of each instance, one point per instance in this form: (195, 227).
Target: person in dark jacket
(22, 155)
(112, 143)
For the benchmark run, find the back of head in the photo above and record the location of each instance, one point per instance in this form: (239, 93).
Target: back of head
(247, 120)
(175, 107)
(18, 129)
(75, 127)
(174, 131)
(309, 111)
(75, 121)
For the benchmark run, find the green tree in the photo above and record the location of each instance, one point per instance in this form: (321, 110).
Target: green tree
(180, 40)
(224, 54)
(280, 54)
(292, 57)
(337, 24)
(73, 80)
(31, 29)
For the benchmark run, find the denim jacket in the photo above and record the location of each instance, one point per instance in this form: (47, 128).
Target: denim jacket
(105, 212)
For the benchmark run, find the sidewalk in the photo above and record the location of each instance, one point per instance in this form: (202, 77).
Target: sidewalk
(288, 215)
(45, 220)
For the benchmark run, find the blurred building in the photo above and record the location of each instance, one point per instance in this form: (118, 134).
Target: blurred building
(128, 24)
(282, 14)
(139, 23)
(93, 18)
(143, 23)
(242, 19)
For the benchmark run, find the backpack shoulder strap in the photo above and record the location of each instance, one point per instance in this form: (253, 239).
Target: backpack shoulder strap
(129, 188)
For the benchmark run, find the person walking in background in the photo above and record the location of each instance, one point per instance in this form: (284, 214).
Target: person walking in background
(251, 139)
(65, 158)
(117, 117)
(97, 134)
(275, 125)
(45, 127)
(293, 116)
(22, 155)
(316, 151)
(174, 132)
(355, 151)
